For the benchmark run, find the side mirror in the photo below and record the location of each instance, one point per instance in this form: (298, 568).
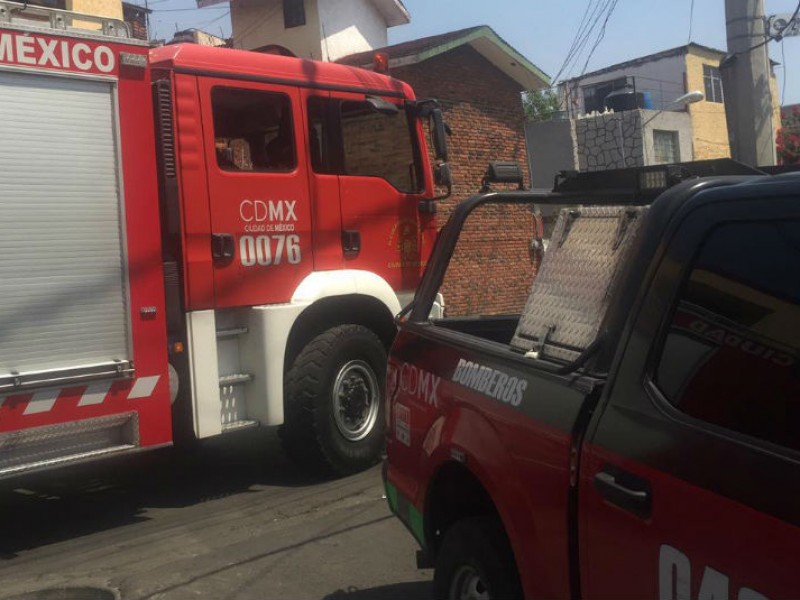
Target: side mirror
(439, 129)
(443, 177)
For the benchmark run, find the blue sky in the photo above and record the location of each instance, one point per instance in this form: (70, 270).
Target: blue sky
(543, 30)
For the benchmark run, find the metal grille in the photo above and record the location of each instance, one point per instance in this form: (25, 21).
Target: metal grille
(166, 131)
(665, 147)
(569, 297)
(63, 299)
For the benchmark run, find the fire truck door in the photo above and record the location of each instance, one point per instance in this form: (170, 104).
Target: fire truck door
(380, 186)
(260, 235)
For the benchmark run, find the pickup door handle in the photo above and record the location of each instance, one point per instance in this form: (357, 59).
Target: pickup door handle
(626, 490)
(222, 246)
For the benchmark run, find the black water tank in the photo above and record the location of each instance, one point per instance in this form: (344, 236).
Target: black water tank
(624, 99)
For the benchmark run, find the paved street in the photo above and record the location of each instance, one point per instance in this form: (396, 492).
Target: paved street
(230, 521)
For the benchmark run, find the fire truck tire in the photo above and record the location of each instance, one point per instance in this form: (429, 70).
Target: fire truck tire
(334, 410)
(476, 561)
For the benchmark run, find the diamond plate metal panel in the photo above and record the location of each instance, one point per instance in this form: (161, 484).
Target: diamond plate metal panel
(569, 297)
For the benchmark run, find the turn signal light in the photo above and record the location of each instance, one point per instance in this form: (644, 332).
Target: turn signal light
(381, 61)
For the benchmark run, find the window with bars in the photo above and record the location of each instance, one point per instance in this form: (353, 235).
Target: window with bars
(666, 147)
(713, 83)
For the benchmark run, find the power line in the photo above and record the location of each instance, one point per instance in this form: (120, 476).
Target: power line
(253, 26)
(214, 20)
(589, 32)
(691, 21)
(601, 35)
(575, 39)
(588, 23)
(777, 36)
(785, 70)
(187, 9)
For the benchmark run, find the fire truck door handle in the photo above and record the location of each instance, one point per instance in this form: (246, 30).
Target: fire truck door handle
(222, 246)
(626, 490)
(351, 242)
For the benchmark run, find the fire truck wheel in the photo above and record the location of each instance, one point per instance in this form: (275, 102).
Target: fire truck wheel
(475, 562)
(334, 407)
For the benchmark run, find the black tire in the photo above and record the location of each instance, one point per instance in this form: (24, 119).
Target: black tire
(476, 547)
(310, 434)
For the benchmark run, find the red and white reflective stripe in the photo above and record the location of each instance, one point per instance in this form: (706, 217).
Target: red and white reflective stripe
(95, 393)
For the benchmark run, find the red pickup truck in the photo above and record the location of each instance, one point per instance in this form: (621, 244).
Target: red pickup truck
(631, 427)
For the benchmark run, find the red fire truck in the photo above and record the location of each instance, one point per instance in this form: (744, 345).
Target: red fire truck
(194, 240)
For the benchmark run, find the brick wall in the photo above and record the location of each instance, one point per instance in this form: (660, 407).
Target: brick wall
(491, 270)
(483, 107)
(136, 18)
(379, 145)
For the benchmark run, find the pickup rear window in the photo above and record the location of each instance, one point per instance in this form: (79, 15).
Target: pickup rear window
(731, 354)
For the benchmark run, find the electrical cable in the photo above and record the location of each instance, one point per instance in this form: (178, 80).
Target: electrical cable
(778, 36)
(575, 39)
(214, 20)
(588, 23)
(785, 70)
(590, 31)
(163, 10)
(601, 35)
(253, 26)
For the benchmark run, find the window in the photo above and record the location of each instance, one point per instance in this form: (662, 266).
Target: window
(489, 275)
(731, 352)
(594, 96)
(666, 147)
(294, 13)
(253, 130)
(713, 83)
(319, 136)
(350, 138)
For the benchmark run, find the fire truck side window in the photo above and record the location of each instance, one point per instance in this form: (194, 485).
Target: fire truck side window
(319, 136)
(731, 354)
(379, 145)
(253, 130)
(349, 138)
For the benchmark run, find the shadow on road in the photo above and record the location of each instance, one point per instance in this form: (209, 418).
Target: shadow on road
(63, 504)
(412, 590)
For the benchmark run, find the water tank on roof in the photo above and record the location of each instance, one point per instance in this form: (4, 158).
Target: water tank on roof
(624, 99)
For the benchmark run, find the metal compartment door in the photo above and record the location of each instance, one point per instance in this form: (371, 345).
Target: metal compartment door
(63, 297)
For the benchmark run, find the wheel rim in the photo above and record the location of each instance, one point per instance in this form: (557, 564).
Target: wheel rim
(356, 400)
(468, 585)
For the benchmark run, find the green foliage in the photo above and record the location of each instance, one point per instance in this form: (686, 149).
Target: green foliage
(540, 105)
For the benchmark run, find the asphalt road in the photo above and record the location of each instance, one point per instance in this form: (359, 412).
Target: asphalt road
(232, 520)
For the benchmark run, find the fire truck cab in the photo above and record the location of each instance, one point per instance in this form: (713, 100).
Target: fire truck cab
(197, 240)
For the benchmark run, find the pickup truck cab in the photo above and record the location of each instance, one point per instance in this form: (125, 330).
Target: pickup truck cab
(631, 427)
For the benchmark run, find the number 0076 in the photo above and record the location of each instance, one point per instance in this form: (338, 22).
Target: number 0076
(269, 250)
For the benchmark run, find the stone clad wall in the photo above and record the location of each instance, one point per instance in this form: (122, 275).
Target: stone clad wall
(610, 141)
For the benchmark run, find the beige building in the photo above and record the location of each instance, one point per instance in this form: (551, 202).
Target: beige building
(658, 79)
(317, 29)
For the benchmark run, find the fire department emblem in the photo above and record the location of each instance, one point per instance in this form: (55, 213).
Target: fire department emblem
(404, 237)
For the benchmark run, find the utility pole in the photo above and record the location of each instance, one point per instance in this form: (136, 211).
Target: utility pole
(746, 83)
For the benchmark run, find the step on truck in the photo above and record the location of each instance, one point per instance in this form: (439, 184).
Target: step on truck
(627, 423)
(197, 240)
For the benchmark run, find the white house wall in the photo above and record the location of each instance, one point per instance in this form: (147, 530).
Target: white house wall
(350, 26)
(257, 23)
(663, 78)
